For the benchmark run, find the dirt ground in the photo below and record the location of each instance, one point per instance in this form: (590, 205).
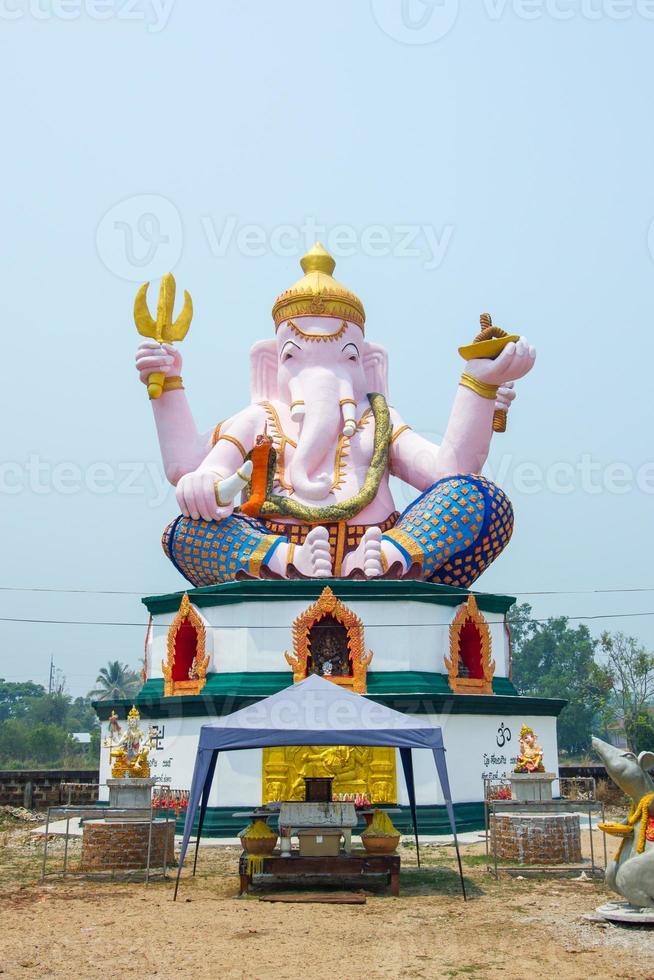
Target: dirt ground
(510, 928)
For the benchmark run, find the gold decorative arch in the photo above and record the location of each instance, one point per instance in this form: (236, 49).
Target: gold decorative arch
(192, 685)
(328, 604)
(469, 612)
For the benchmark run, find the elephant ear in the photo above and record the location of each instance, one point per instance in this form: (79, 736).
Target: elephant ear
(375, 365)
(263, 371)
(646, 760)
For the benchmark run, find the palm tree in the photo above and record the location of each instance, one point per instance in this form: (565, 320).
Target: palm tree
(115, 681)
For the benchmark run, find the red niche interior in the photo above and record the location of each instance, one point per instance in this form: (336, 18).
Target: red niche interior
(186, 645)
(470, 649)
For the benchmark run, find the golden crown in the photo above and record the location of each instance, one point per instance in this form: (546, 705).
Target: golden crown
(134, 713)
(317, 293)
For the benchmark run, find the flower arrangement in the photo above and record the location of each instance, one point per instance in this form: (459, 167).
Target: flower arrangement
(380, 837)
(165, 798)
(257, 830)
(360, 800)
(499, 793)
(381, 826)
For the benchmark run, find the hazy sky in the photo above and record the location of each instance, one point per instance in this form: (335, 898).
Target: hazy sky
(494, 157)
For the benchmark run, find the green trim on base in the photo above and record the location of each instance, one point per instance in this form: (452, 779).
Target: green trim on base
(261, 684)
(413, 692)
(432, 820)
(263, 590)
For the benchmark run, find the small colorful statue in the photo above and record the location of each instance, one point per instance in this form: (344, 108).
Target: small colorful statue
(530, 756)
(314, 450)
(129, 753)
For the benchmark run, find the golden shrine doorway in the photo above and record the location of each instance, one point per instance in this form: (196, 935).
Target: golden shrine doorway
(365, 769)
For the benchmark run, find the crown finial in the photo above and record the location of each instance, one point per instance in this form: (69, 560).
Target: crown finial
(318, 259)
(317, 293)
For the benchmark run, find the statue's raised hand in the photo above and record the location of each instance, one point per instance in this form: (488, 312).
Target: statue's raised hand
(153, 357)
(516, 360)
(203, 494)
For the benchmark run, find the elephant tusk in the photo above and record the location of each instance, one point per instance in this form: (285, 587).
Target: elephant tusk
(229, 488)
(348, 408)
(298, 410)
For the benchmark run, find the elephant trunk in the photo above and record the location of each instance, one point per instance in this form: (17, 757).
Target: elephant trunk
(316, 396)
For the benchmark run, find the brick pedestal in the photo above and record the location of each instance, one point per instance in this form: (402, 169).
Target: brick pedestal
(536, 838)
(123, 846)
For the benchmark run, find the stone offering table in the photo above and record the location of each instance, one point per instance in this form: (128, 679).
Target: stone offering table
(356, 865)
(527, 787)
(320, 816)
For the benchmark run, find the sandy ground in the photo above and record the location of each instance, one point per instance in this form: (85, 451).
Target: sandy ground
(509, 928)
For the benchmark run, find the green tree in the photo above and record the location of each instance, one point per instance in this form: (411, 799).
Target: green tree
(554, 660)
(14, 695)
(631, 668)
(115, 681)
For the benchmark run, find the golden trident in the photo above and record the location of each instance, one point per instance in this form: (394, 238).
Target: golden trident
(163, 329)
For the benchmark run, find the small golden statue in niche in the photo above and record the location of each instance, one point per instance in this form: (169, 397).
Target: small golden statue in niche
(328, 640)
(129, 749)
(530, 756)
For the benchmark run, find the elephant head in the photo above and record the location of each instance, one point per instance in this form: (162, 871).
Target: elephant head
(320, 365)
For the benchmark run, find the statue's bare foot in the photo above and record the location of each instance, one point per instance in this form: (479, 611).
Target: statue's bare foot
(313, 558)
(367, 558)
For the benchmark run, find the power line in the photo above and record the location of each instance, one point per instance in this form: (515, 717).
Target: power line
(250, 626)
(517, 592)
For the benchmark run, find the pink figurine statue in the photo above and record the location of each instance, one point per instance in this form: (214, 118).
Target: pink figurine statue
(313, 451)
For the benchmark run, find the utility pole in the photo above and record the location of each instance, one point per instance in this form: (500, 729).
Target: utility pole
(51, 674)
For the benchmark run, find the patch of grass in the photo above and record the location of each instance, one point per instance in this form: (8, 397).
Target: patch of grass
(436, 881)
(466, 969)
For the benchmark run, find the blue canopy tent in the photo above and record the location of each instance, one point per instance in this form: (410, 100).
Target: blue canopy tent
(313, 712)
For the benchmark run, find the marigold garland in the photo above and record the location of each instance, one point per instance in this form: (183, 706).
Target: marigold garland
(624, 830)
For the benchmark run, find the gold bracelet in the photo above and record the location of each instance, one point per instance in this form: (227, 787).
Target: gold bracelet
(479, 387)
(173, 383)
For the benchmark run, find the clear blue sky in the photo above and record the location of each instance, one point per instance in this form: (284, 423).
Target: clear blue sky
(458, 160)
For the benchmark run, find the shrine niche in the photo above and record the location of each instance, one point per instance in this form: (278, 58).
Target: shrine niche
(469, 666)
(356, 769)
(185, 667)
(328, 640)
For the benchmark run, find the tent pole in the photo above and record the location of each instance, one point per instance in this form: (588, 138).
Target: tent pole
(458, 859)
(203, 806)
(206, 788)
(407, 765)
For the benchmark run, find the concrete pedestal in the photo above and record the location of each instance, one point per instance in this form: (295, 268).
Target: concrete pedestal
(530, 786)
(131, 794)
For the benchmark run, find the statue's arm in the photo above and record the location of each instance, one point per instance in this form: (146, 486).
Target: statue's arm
(184, 449)
(182, 446)
(467, 438)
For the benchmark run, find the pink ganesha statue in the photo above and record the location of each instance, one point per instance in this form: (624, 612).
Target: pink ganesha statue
(313, 452)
